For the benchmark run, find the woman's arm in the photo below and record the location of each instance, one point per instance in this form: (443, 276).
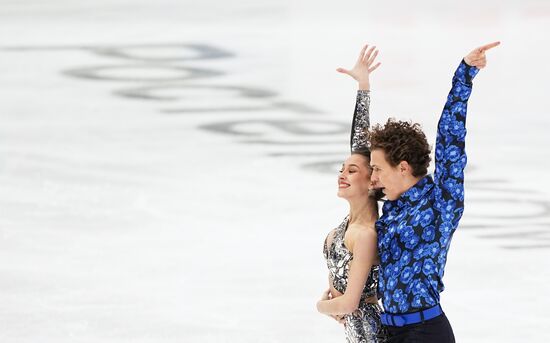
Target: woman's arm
(361, 121)
(364, 255)
(333, 293)
(361, 73)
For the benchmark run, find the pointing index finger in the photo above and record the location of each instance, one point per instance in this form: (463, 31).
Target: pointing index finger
(488, 46)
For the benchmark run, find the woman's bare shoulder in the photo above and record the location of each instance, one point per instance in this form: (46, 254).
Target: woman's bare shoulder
(364, 235)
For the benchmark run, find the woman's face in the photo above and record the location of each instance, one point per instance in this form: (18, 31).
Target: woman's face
(354, 178)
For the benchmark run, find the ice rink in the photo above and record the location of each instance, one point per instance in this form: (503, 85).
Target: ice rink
(168, 168)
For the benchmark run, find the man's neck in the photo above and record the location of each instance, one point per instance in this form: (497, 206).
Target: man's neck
(409, 183)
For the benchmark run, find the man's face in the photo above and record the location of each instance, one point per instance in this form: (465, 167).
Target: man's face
(384, 175)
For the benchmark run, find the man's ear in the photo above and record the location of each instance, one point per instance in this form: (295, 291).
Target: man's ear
(404, 167)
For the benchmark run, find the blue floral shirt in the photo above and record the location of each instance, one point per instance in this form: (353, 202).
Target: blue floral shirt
(414, 231)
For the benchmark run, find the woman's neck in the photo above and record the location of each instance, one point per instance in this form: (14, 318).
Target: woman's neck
(363, 210)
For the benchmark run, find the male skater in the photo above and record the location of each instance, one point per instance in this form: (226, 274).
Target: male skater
(422, 213)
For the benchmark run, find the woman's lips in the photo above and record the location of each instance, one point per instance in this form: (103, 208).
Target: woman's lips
(343, 185)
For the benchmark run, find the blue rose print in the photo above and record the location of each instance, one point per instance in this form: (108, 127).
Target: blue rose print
(406, 258)
(429, 267)
(412, 242)
(415, 230)
(429, 233)
(406, 275)
(453, 153)
(426, 217)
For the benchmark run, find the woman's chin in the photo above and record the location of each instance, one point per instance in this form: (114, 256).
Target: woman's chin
(344, 193)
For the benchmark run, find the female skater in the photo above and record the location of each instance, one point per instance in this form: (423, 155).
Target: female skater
(351, 249)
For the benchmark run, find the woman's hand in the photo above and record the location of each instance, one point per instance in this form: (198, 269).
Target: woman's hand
(363, 67)
(340, 318)
(334, 293)
(477, 58)
(324, 297)
(328, 295)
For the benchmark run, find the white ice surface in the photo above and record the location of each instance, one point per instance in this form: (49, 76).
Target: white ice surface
(125, 219)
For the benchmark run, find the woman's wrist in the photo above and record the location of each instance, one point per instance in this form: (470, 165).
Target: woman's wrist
(364, 85)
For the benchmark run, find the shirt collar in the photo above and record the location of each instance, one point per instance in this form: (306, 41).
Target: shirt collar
(413, 194)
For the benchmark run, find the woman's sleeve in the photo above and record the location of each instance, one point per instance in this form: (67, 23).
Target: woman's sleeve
(361, 121)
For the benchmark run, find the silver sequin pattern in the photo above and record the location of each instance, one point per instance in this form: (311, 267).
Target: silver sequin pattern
(361, 121)
(363, 325)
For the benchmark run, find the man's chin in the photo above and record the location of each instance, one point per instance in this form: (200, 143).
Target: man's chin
(377, 193)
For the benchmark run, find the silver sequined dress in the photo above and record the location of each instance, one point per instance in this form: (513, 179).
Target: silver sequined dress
(362, 326)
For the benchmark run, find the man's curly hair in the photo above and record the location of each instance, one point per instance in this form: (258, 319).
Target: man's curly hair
(402, 141)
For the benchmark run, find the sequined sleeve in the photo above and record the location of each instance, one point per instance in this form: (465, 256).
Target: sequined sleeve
(361, 121)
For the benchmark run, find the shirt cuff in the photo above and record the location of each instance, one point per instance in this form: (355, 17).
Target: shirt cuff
(465, 73)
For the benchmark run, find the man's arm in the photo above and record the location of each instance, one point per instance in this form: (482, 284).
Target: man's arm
(450, 154)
